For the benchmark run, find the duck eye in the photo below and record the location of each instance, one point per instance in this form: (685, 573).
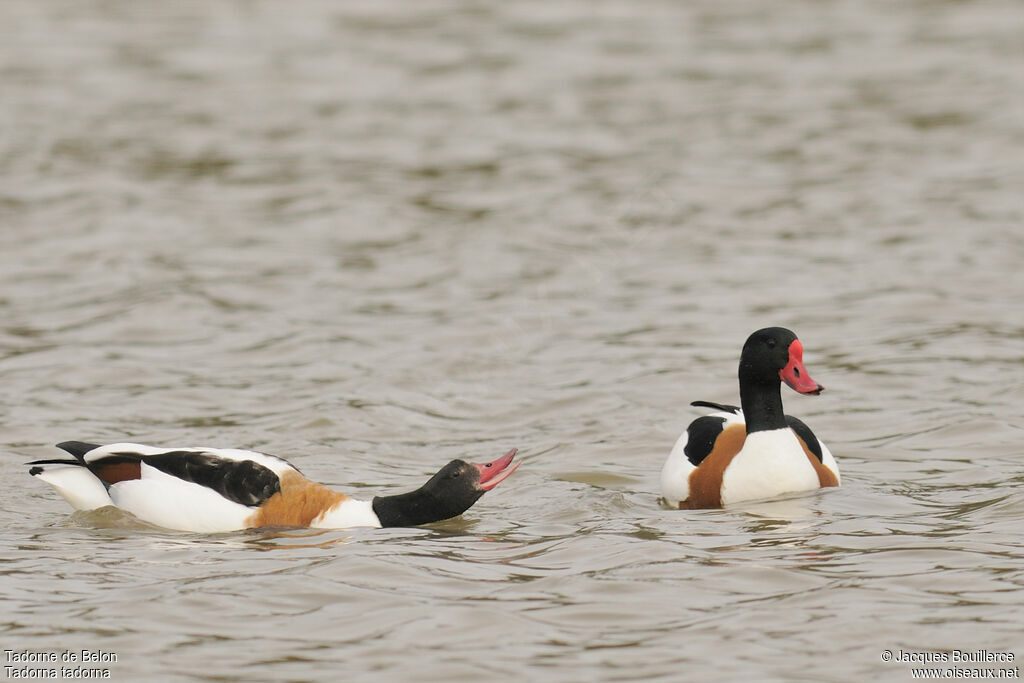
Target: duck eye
(770, 342)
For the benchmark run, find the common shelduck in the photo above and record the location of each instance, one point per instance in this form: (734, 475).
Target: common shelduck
(755, 451)
(226, 489)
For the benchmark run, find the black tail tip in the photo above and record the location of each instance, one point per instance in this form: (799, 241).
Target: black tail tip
(77, 448)
(35, 470)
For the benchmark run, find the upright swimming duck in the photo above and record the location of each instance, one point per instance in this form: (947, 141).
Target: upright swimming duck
(226, 489)
(755, 451)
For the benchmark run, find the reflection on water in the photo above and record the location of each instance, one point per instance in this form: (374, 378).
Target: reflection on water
(374, 238)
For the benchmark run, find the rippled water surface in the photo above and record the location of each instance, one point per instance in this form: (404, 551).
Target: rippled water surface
(373, 237)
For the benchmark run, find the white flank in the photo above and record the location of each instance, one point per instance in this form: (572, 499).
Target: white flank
(77, 485)
(348, 513)
(675, 474)
(830, 462)
(173, 503)
(769, 464)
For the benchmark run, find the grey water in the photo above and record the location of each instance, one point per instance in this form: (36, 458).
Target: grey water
(371, 237)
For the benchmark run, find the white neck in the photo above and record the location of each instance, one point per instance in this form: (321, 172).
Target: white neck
(348, 513)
